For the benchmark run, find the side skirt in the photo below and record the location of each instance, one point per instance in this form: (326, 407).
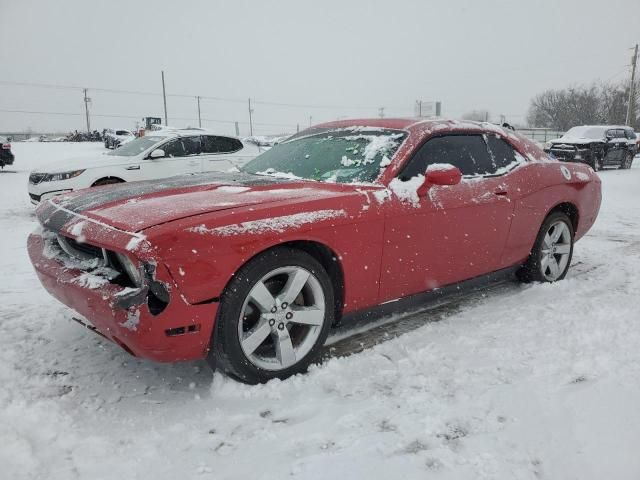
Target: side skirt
(424, 299)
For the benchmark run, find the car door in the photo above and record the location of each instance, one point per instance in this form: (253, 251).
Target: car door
(181, 156)
(219, 153)
(455, 232)
(615, 148)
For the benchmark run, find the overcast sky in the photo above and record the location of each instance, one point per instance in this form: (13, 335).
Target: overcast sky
(338, 58)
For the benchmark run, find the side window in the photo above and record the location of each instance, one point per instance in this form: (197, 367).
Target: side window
(502, 154)
(214, 144)
(174, 148)
(467, 152)
(630, 134)
(191, 145)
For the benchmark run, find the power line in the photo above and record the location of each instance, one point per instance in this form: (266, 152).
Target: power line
(113, 115)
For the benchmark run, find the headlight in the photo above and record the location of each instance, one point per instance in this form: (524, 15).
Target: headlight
(548, 145)
(55, 177)
(131, 268)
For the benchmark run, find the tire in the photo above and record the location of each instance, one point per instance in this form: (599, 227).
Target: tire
(106, 181)
(627, 162)
(595, 163)
(539, 265)
(256, 337)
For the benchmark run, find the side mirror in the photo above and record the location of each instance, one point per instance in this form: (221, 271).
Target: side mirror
(439, 174)
(157, 153)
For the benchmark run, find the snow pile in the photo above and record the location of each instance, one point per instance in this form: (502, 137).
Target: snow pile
(275, 224)
(232, 189)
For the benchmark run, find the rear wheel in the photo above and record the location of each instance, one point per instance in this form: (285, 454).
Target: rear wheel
(107, 181)
(552, 251)
(274, 317)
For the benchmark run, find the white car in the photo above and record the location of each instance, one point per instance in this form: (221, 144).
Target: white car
(113, 138)
(156, 155)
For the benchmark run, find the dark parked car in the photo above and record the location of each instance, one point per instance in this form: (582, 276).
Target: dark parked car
(596, 145)
(6, 155)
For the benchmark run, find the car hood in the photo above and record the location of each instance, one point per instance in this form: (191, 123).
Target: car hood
(87, 161)
(136, 206)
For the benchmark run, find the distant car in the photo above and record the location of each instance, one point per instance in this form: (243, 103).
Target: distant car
(113, 138)
(596, 145)
(252, 269)
(158, 155)
(6, 155)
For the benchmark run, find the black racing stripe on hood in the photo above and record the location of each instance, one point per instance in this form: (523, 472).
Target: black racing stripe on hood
(55, 217)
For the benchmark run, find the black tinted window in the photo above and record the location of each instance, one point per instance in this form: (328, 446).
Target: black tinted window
(213, 144)
(502, 155)
(191, 145)
(630, 135)
(467, 152)
(182, 147)
(174, 148)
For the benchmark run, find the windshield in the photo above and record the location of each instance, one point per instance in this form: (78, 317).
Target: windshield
(595, 133)
(343, 155)
(134, 147)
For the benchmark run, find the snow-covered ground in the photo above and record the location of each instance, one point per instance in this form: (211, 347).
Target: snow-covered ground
(524, 382)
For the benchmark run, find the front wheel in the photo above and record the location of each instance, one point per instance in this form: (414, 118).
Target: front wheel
(274, 317)
(552, 251)
(595, 163)
(626, 163)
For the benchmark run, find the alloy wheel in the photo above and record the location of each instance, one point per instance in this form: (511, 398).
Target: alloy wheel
(556, 250)
(281, 318)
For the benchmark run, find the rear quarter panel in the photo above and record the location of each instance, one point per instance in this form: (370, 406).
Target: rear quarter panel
(537, 188)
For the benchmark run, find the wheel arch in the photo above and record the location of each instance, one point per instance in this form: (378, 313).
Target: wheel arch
(324, 254)
(108, 177)
(570, 210)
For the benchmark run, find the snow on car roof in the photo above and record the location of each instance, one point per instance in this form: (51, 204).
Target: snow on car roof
(178, 132)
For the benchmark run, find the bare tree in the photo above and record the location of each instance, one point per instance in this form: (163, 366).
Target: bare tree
(579, 105)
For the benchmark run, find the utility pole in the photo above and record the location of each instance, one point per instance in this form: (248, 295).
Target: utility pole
(632, 85)
(250, 119)
(87, 100)
(310, 120)
(199, 119)
(381, 112)
(164, 97)
(419, 102)
(237, 129)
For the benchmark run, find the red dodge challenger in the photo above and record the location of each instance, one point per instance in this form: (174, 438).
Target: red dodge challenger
(250, 269)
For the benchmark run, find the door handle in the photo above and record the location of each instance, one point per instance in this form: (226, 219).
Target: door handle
(133, 167)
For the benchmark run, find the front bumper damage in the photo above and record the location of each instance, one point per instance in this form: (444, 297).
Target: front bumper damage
(152, 321)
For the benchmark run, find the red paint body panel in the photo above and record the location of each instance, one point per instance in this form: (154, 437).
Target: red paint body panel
(199, 236)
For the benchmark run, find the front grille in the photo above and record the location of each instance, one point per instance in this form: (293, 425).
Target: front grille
(36, 178)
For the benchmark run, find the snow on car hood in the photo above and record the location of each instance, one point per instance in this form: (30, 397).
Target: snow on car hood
(574, 140)
(87, 161)
(135, 206)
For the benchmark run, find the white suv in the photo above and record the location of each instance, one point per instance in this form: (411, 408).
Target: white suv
(113, 138)
(156, 155)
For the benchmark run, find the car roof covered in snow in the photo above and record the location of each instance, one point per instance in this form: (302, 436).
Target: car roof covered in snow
(185, 132)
